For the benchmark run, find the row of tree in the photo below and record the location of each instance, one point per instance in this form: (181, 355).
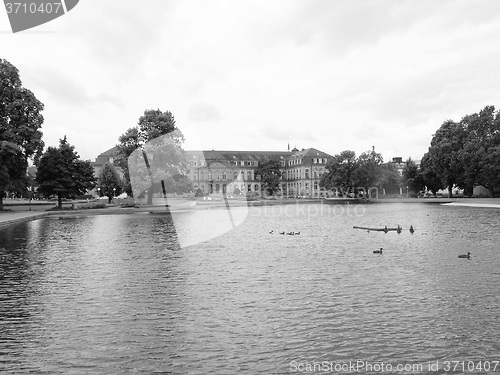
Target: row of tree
(461, 155)
(346, 173)
(60, 171)
(465, 154)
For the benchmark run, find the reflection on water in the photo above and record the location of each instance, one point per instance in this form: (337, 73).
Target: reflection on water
(117, 294)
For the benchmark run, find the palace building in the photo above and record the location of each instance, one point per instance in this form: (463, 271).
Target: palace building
(225, 171)
(217, 172)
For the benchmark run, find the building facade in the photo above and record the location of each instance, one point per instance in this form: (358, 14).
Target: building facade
(217, 172)
(232, 171)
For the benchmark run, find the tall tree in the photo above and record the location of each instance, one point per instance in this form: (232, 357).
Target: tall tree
(445, 154)
(270, 174)
(369, 169)
(62, 173)
(412, 177)
(431, 180)
(152, 157)
(481, 153)
(109, 181)
(340, 172)
(20, 124)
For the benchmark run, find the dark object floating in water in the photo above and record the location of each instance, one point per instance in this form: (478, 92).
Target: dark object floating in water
(411, 229)
(378, 251)
(465, 255)
(385, 229)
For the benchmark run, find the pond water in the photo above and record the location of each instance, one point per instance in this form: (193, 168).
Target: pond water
(116, 294)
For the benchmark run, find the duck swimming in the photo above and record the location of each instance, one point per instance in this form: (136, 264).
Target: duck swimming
(465, 255)
(378, 251)
(411, 229)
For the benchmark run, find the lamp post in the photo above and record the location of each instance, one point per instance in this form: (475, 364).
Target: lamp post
(98, 192)
(30, 195)
(114, 193)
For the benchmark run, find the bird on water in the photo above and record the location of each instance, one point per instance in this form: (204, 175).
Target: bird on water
(465, 255)
(378, 251)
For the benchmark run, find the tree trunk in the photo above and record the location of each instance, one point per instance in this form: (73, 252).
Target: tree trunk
(150, 197)
(109, 200)
(1, 199)
(450, 191)
(491, 190)
(59, 201)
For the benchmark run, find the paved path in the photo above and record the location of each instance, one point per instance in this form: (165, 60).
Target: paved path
(7, 218)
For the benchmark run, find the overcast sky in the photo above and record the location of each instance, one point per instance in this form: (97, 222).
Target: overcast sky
(257, 75)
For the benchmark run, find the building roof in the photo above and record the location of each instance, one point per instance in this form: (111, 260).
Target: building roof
(212, 155)
(311, 153)
(104, 157)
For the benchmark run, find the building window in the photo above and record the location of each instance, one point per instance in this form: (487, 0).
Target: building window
(209, 175)
(256, 187)
(324, 161)
(242, 163)
(249, 163)
(249, 175)
(249, 187)
(224, 175)
(307, 172)
(202, 175)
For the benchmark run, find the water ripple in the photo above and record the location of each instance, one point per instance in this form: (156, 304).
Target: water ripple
(116, 294)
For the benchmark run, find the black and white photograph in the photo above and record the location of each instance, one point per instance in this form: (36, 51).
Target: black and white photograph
(249, 187)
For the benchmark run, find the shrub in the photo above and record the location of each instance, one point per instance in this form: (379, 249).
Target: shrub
(92, 205)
